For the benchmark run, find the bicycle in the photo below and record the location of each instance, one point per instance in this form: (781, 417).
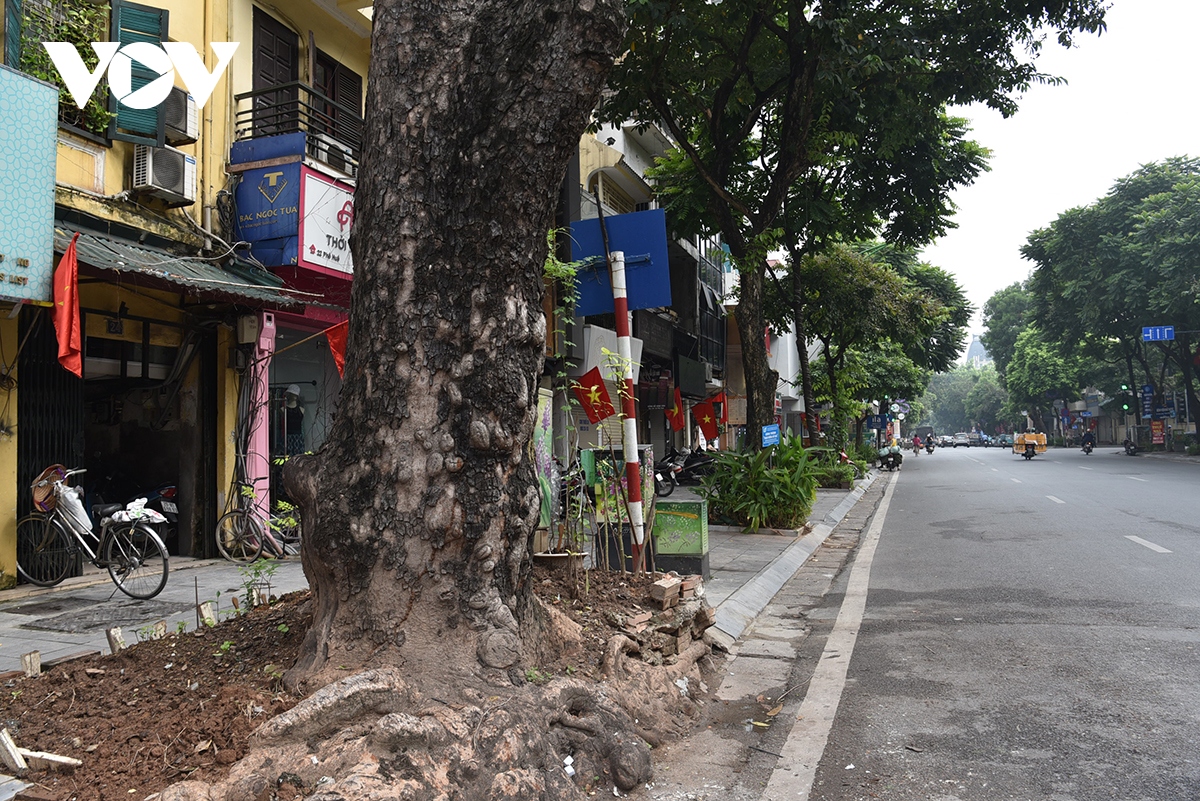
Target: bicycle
(240, 537)
(49, 541)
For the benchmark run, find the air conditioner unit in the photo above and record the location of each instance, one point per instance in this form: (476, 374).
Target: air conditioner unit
(708, 372)
(182, 118)
(165, 173)
(337, 155)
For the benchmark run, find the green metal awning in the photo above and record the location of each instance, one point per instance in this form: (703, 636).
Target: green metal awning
(236, 282)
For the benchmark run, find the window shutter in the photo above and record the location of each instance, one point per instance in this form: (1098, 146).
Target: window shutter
(136, 23)
(348, 93)
(12, 33)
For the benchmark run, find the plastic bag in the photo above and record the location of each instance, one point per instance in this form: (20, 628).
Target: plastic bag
(136, 510)
(71, 501)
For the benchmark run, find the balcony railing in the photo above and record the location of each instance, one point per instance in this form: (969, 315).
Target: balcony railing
(297, 107)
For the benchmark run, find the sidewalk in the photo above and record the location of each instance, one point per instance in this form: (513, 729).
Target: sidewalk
(71, 619)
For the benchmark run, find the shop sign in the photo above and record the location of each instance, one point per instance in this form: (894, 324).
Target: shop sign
(268, 203)
(327, 213)
(28, 147)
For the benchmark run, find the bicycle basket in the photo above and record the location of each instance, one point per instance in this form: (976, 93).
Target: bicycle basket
(43, 487)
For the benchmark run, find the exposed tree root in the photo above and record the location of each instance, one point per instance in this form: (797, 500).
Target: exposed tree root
(377, 734)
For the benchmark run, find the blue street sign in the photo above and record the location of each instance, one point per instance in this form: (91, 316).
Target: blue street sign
(1158, 333)
(770, 435)
(1085, 414)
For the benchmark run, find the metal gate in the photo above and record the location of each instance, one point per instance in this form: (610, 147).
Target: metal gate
(49, 406)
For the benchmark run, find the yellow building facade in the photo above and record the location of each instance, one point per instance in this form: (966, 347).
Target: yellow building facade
(176, 296)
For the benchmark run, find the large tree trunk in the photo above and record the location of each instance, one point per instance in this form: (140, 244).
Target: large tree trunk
(801, 324)
(761, 380)
(419, 509)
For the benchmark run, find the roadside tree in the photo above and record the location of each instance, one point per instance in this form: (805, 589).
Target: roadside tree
(757, 93)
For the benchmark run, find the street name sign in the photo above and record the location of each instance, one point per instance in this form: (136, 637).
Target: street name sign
(1158, 333)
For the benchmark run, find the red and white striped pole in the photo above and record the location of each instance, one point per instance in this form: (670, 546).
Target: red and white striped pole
(633, 470)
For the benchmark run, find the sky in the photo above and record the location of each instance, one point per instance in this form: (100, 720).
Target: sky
(1131, 98)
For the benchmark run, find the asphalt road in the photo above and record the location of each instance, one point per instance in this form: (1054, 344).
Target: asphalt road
(1030, 632)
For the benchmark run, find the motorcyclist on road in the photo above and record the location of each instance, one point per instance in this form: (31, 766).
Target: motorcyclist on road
(1088, 439)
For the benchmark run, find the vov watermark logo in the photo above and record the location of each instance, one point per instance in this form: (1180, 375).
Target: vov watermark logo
(165, 59)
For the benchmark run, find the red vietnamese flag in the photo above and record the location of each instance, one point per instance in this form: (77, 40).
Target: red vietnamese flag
(66, 310)
(723, 399)
(675, 414)
(706, 416)
(593, 396)
(337, 344)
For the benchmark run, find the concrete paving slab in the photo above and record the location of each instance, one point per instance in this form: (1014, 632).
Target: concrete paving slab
(750, 676)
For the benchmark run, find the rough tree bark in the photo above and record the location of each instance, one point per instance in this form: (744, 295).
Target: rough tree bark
(419, 508)
(761, 380)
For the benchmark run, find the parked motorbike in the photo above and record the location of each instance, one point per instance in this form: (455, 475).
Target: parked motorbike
(890, 460)
(665, 480)
(693, 465)
(1087, 448)
(1131, 448)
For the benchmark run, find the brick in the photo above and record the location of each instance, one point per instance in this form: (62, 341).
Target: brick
(665, 588)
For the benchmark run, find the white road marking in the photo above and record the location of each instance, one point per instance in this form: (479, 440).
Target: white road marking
(1135, 478)
(1085, 468)
(1056, 500)
(995, 470)
(793, 778)
(1016, 480)
(1147, 543)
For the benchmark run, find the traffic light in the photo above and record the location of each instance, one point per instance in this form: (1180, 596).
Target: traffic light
(1124, 387)
(1125, 406)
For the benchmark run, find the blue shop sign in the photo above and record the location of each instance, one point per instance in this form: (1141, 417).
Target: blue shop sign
(642, 237)
(268, 203)
(28, 148)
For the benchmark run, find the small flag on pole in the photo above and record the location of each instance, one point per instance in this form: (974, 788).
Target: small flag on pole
(593, 396)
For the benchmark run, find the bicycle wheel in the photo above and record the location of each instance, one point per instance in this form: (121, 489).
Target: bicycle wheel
(239, 537)
(284, 530)
(136, 560)
(44, 552)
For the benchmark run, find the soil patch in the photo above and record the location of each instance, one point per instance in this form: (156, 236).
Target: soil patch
(183, 707)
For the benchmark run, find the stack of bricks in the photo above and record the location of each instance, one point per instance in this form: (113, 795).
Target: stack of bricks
(663, 635)
(666, 591)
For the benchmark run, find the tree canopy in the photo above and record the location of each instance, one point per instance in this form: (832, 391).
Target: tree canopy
(1129, 260)
(771, 99)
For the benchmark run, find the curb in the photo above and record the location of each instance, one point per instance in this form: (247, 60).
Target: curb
(739, 610)
(92, 577)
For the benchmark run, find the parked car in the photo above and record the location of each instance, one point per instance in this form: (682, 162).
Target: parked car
(961, 438)
(946, 441)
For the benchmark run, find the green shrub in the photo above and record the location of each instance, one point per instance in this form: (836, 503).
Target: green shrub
(774, 488)
(866, 454)
(1193, 449)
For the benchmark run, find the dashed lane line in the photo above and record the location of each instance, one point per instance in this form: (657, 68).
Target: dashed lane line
(1056, 500)
(1147, 543)
(1135, 478)
(1015, 480)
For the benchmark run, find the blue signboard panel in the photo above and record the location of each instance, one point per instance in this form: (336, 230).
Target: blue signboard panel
(28, 152)
(1158, 333)
(770, 435)
(642, 237)
(268, 203)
